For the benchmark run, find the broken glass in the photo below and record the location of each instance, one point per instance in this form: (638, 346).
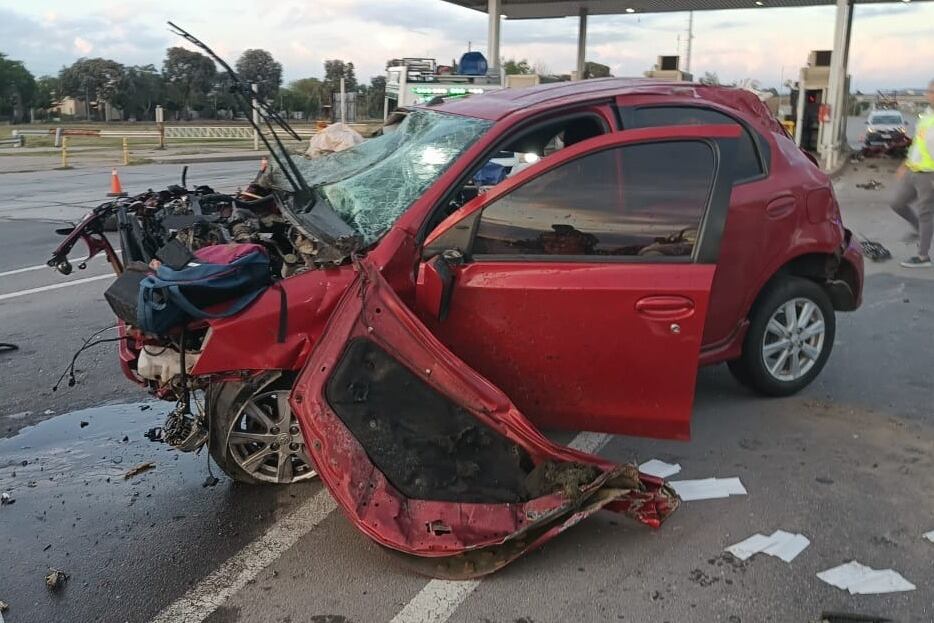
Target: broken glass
(372, 184)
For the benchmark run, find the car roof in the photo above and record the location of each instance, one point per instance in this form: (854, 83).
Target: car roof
(496, 105)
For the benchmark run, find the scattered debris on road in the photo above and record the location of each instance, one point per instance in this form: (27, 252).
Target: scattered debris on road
(781, 544)
(929, 536)
(139, 469)
(8, 348)
(4, 606)
(859, 579)
(874, 250)
(872, 184)
(83, 423)
(55, 579)
(6, 499)
(707, 488)
(659, 469)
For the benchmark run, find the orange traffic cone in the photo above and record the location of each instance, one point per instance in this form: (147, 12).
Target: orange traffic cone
(263, 165)
(115, 189)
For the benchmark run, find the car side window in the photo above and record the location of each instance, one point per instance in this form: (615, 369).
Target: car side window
(747, 165)
(642, 200)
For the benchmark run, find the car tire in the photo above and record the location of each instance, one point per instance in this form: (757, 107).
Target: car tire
(253, 435)
(781, 354)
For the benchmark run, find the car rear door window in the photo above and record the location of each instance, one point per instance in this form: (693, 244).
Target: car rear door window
(748, 163)
(643, 200)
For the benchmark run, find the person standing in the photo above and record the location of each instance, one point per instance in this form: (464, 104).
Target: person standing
(916, 183)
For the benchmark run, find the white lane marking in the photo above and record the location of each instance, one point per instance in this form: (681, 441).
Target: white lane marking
(55, 286)
(41, 266)
(438, 599)
(211, 592)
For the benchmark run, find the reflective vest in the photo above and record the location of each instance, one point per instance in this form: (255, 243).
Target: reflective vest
(919, 156)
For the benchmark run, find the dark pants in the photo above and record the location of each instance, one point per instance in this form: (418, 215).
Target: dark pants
(917, 187)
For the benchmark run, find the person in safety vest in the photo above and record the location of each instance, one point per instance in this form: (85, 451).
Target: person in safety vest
(916, 183)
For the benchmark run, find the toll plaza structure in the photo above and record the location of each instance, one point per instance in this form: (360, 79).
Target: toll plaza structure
(832, 120)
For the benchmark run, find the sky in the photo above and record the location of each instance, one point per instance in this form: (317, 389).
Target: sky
(768, 44)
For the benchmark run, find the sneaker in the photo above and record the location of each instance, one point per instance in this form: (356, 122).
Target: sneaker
(917, 262)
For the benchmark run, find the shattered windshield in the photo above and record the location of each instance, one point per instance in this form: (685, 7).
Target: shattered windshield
(371, 184)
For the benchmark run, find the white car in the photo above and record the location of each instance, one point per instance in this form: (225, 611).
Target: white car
(885, 125)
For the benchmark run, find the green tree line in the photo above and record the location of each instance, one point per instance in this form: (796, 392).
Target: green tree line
(186, 84)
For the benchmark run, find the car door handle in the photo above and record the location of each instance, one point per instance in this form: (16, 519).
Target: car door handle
(781, 207)
(667, 307)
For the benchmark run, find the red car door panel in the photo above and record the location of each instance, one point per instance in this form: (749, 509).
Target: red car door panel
(430, 459)
(608, 338)
(563, 338)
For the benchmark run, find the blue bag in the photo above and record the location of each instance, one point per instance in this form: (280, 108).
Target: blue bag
(235, 274)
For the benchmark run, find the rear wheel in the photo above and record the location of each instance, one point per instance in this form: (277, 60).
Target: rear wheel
(790, 336)
(255, 438)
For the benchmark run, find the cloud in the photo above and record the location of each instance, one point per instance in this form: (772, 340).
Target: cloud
(82, 46)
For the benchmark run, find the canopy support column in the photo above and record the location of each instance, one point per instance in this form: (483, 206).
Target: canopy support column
(834, 131)
(582, 44)
(494, 10)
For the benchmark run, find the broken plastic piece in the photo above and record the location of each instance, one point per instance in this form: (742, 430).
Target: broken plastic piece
(780, 544)
(659, 469)
(929, 536)
(859, 579)
(6, 498)
(707, 488)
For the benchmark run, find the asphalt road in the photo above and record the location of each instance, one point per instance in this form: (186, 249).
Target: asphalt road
(849, 463)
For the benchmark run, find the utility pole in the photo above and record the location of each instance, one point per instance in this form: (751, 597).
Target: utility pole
(687, 56)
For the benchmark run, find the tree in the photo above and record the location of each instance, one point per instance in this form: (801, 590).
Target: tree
(375, 97)
(336, 69)
(17, 89)
(596, 70)
(189, 77)
(305, 95)
(710, 78)
(48, 90)
(513, 67)
(139, 91)
(260, 67)
(92, 79)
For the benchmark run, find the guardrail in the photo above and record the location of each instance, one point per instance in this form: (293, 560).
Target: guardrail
(171, 132)
(16, 141)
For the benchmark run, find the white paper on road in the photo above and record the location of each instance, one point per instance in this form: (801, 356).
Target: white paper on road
(862, 580)
(929, 536)
(707, 488)
(659, 469)
(781, 544)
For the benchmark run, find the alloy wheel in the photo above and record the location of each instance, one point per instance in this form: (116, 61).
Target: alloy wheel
(793, 339)
(265, 440)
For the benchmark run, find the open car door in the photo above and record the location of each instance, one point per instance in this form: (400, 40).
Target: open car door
(428, 458)
(580, 285)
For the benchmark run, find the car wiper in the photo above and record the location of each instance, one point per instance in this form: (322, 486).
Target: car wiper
(244, 94)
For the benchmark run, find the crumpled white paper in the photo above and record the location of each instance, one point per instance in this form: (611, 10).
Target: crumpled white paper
(659, 469)
(862, 580)
(707, 488)
(780, 544)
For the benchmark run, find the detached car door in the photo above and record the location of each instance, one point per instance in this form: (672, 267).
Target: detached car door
(580, 285)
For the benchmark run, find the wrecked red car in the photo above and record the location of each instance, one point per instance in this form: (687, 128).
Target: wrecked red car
(563, 256)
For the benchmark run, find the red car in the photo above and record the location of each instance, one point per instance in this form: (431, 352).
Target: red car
(637, 229)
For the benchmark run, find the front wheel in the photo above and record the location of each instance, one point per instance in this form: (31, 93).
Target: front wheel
(254, 436)
(790, 336)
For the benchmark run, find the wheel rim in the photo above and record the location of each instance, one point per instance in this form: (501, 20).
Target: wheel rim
(793, 340)
(265, 440)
